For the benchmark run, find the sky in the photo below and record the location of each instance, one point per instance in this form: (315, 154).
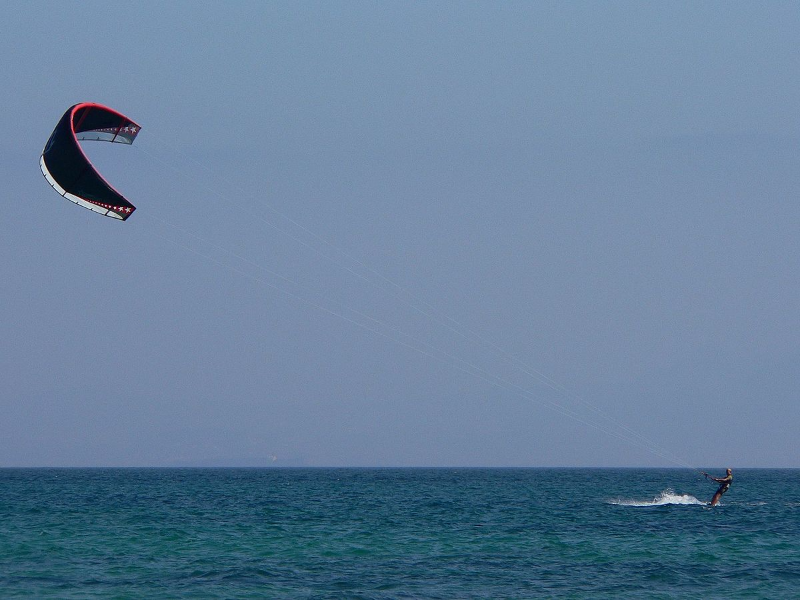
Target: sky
(406, 234)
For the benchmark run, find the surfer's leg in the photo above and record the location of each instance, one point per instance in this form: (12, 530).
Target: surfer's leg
(715, 499)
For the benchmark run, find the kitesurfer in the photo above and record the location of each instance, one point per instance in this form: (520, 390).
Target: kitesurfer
(724, 485)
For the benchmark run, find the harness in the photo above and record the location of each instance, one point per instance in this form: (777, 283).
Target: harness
(725, 485)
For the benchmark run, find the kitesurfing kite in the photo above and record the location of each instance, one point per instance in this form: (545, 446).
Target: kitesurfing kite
(70, 172)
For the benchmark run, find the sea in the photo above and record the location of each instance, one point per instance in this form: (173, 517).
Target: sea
(397, 533)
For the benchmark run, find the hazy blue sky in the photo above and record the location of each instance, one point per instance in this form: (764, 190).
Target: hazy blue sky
(605, 192)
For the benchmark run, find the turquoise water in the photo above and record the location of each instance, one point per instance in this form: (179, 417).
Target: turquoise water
(396, 533)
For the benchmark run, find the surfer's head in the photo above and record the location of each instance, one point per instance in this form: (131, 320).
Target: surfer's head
(729, 471)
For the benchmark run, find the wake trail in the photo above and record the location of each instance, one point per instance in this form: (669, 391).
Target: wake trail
(665, 498)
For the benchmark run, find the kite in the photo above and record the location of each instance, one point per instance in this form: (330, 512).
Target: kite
(69, 171)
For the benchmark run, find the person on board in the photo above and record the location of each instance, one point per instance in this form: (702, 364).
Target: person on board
(724, 485)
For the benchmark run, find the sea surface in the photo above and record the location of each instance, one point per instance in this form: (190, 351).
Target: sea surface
(397, 533)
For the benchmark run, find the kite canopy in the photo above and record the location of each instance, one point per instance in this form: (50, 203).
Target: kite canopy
(69, 171)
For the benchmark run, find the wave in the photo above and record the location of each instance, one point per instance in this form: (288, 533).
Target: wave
(665, 498)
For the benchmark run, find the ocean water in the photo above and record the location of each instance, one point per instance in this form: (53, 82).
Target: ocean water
(397, 533)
